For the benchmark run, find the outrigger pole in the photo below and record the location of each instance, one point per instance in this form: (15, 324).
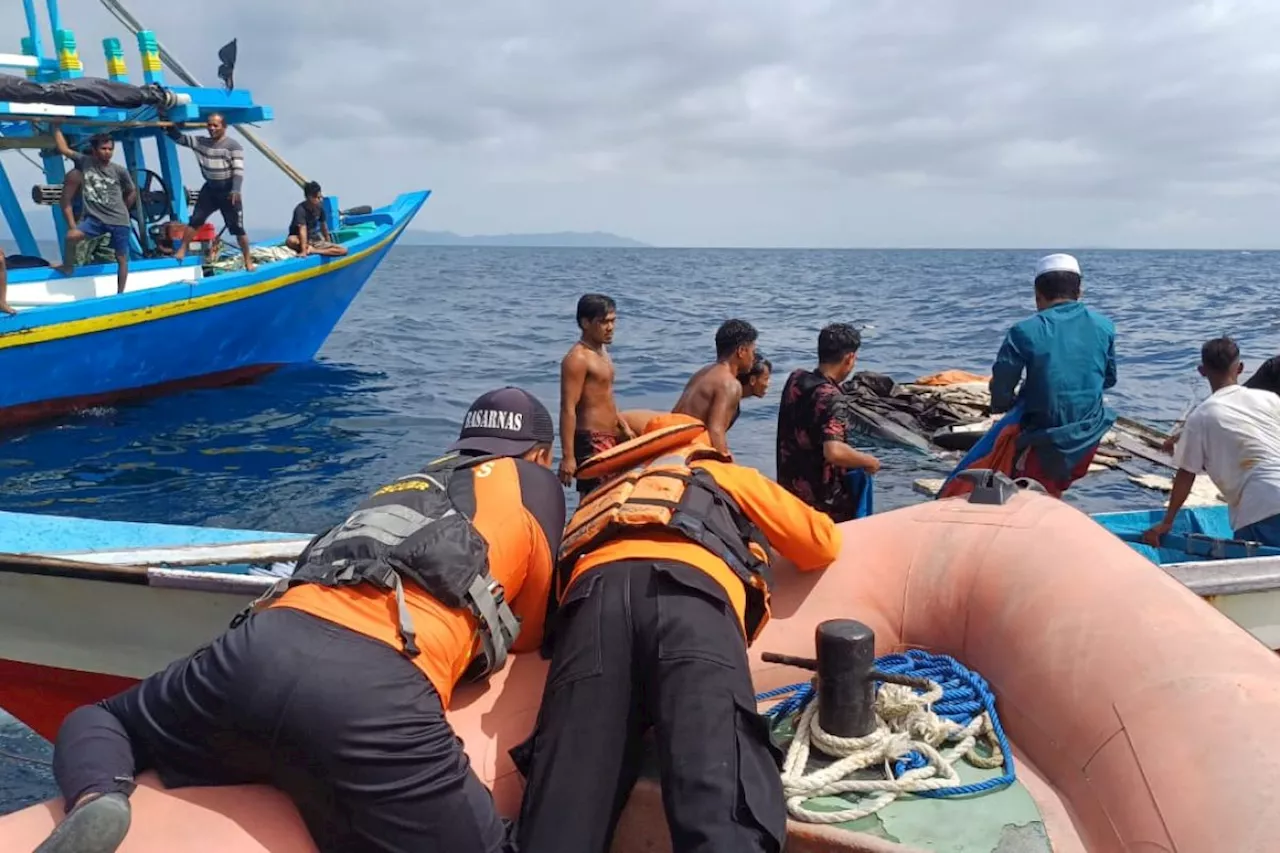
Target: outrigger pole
(116, 8)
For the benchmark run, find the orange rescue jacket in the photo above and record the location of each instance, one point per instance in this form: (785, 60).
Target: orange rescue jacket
(668, 495)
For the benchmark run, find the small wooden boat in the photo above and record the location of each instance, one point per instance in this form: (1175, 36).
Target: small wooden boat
(75, 343)
(1240, 579)
(1139, 717)
(89, 607)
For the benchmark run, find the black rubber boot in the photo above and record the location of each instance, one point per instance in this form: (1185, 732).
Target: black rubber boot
(98, 826)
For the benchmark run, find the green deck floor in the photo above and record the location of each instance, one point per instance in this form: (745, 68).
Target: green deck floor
(1006, 820)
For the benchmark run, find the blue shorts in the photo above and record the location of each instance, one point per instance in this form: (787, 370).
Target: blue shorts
(1266, 531)
(94, 227)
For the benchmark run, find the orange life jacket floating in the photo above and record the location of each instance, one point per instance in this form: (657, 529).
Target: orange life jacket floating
(649, 484)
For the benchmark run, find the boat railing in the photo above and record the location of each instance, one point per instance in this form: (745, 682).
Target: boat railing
(1227, 577)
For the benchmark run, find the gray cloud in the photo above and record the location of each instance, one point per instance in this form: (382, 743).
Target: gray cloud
(1146, 120)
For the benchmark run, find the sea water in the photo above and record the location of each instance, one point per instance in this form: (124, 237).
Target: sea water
(435, 327)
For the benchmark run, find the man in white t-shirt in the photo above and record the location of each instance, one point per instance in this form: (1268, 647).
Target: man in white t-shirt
(1234, 437)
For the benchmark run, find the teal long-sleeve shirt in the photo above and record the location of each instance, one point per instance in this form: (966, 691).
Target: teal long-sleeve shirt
(1068, 355)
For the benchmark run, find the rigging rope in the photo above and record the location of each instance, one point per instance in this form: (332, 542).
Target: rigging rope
(919, 738)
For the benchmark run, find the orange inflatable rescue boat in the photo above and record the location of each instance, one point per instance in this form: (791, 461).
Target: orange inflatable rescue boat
(1141, 718)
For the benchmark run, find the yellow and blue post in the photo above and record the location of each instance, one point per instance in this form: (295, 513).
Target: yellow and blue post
(170, 169)
(69, 64)
(134, 159)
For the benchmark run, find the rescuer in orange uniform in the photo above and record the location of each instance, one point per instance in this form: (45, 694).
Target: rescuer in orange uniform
(661, 585)
(334, 686)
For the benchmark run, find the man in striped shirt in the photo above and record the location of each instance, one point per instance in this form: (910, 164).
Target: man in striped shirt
(221, 160)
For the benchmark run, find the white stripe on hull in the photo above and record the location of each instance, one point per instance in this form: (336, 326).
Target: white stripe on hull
(59, 289)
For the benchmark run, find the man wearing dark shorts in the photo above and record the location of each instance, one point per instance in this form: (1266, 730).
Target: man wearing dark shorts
(335, 690)
(221, 161)
(107, 192)
(589, 419)
(308, 231)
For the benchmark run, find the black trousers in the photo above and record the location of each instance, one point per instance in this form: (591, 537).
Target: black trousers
(345, 725)
(643, 646)
(215, 197)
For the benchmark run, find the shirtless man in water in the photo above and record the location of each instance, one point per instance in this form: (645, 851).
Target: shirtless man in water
(589, 419)
(714, 393)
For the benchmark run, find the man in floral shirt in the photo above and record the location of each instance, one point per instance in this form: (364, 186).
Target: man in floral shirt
(813, 455)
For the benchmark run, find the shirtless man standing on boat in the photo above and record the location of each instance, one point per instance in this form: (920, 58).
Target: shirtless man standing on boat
(589, 418)
(714, 393)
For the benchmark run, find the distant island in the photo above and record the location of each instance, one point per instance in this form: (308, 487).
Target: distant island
(558, 239)
(42, 229)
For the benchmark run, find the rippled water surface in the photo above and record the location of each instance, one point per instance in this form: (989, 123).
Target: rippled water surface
(435, 327)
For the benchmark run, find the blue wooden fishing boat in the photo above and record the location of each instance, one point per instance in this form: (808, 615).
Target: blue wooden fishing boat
(74, 342)
(1241, 579)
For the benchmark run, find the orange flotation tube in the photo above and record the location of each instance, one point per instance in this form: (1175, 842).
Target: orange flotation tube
(1142, 718)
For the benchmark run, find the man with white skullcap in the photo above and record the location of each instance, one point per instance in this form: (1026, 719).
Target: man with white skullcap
(1065, 357)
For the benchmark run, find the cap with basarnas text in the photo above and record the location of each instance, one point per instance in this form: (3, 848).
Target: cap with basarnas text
(1057, 263)
(505, 422)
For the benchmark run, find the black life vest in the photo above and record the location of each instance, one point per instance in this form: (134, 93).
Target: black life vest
(417, 530)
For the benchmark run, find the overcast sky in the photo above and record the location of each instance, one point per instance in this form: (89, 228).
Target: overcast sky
(758, 122)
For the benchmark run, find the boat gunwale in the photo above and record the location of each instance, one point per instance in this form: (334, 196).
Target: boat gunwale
(165, 578)
(1227, 577)
(39, 321)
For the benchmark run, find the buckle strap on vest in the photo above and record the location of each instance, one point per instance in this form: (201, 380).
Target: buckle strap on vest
(499, 626)
(407, 634)
(345, 575)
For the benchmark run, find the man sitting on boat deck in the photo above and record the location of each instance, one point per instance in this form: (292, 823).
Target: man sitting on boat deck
(1065, 353)
(308, 230)
(714, 393)
(334, 688)
(1234, 437)
(107, 194)
(4, 287)
(221, 160)
(662, 583)
(813, 453)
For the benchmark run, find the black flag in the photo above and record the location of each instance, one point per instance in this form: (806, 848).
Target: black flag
(227, 70)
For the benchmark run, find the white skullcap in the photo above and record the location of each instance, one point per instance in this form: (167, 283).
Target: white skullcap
(1057, 263)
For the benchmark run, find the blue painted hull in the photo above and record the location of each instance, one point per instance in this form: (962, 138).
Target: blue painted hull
(228, 327)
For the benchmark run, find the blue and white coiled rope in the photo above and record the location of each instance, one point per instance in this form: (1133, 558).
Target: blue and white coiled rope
(918, 740)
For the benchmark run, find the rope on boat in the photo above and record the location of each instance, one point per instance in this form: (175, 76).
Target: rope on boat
(919, 738)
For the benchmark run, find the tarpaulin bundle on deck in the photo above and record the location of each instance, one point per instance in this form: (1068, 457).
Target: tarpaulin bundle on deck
(920, 413)
(85, 92)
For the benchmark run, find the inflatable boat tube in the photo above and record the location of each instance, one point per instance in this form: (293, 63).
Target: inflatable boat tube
(1141, 718)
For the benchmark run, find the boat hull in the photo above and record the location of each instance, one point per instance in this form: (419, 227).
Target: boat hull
(66, 641)
(1139, 717)
(220, 330)
(1245, 589)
